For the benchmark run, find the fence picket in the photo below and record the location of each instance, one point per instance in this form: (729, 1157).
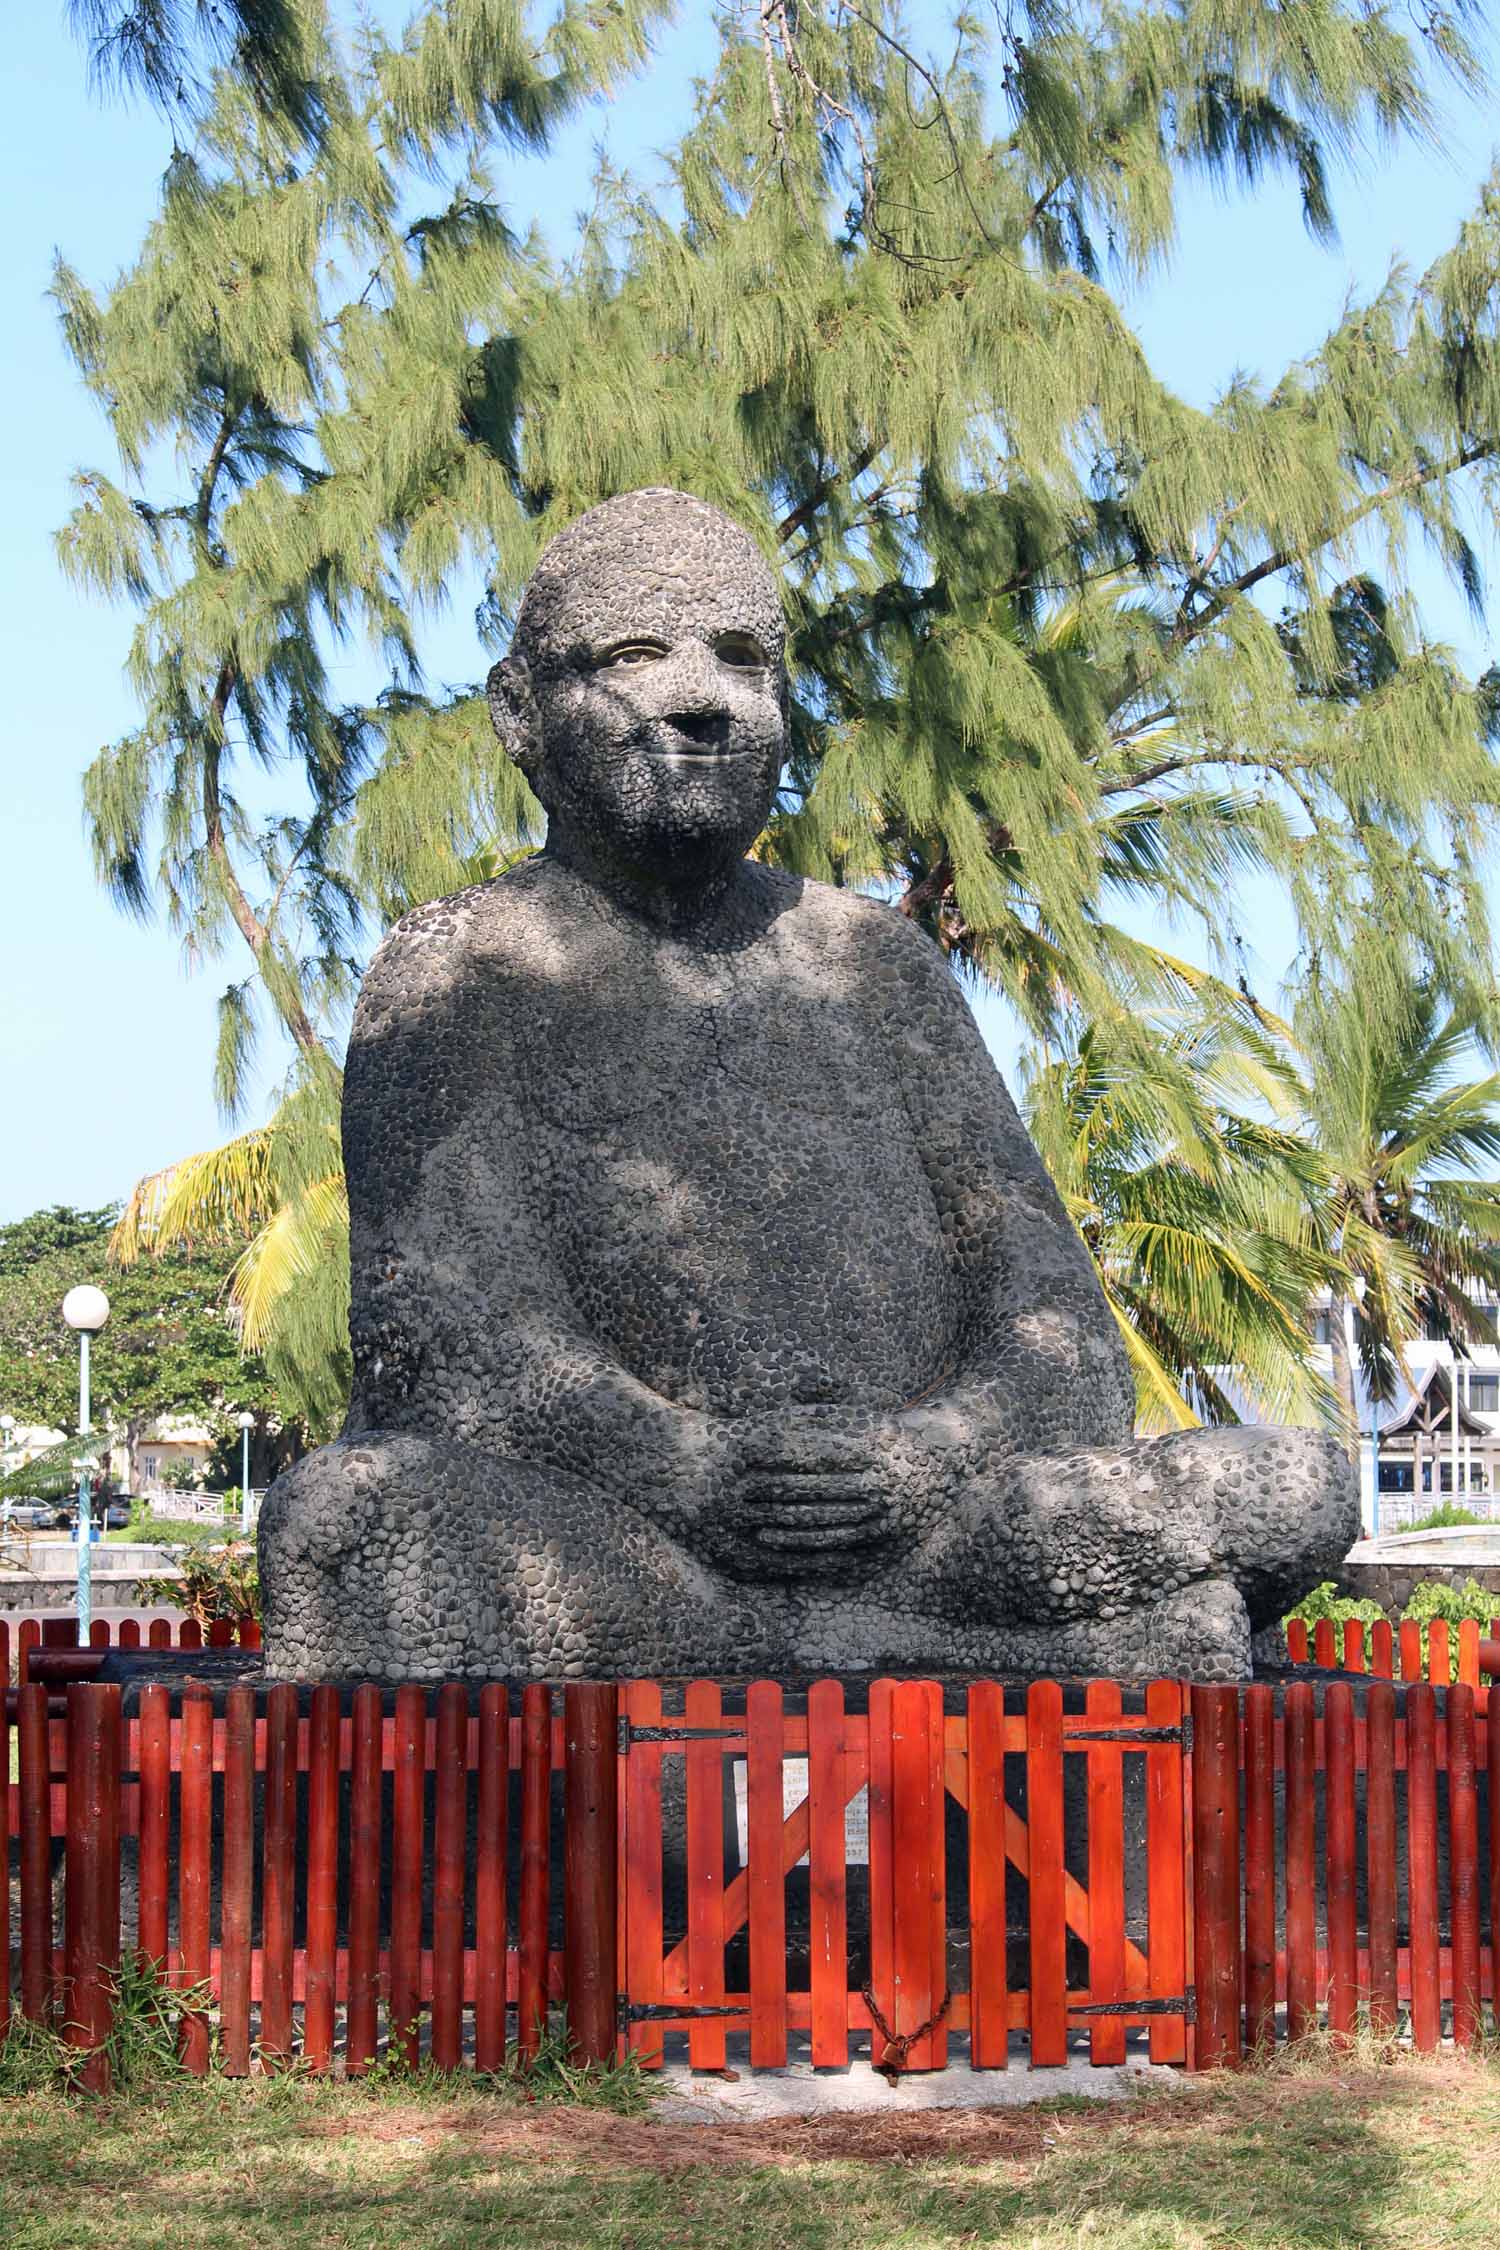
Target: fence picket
(153, 1822)
(1260, 1867)
(1296, 1641)
(237, 1879)
(34, 1757)
(642, 1888)
(1166, 1844)
(194, 1864)
(159, 1633)
(1439, 1665)
(827, 1796)
(489, 1878)
(919, 1891)
(278, 1875)
(1046, 1890)
(1468, 1651)
(1411, 1649)
(4, 1829)
(450, 1809)
(1301, 1888)
(764, 1820)
(536, 1811)
(318, 2008)
(1463, 1864)
(91, 1885)
(1354, 1644)
(1216, 1874)
(1323, 1644)
(360, 2028)
(408, 1797)
(1421, 1865)
(130, 1632)
(1382, 1654)
(703, 1707)
(989, 2007)
(1339, 1830)
(1106, 1842)
(1380, 1851)
(1492, 1759)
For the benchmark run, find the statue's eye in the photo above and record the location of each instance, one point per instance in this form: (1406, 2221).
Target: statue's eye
(625, 653)
(741, 651)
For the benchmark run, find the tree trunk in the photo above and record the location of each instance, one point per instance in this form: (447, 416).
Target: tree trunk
(1343, 1374)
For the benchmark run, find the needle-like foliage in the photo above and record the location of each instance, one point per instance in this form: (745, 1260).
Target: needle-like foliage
(1061, 643)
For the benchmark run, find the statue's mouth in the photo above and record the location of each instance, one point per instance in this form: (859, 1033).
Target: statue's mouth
(684, 755)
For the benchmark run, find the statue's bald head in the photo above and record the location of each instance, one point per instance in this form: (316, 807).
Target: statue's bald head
(656, 557)
(644, 694)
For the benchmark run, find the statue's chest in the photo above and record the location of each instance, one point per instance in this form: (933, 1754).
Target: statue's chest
(625, 1062)
(731, 1190)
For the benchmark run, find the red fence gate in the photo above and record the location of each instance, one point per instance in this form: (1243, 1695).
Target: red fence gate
(978, 1833)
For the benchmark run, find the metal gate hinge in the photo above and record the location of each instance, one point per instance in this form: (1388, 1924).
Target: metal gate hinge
(629, 1732)
(1178, 2004)
(668, 2011)
(1124, 1734)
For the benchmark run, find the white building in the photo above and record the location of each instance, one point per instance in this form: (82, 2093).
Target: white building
(1415, 1451)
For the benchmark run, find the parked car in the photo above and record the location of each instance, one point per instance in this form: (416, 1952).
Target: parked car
(32, 1515)
(117, 1515)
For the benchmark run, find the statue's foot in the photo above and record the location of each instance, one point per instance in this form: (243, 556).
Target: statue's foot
(396, 1557)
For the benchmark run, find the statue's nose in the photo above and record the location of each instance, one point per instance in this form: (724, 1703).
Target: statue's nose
(696, 705)
(709, 729)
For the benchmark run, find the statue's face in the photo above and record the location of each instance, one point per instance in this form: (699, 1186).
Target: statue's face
(653, 673)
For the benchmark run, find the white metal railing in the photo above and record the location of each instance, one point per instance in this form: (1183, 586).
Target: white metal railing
(1398, 1511)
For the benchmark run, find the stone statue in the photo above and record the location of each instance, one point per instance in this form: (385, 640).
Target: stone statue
(712, 1310)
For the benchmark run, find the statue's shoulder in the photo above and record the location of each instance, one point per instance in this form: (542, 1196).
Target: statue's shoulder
(869, 932)
(438, 940)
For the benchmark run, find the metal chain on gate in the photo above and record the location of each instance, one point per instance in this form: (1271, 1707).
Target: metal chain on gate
(899, 2044)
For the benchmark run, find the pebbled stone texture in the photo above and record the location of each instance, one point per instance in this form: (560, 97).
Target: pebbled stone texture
(712, 1310)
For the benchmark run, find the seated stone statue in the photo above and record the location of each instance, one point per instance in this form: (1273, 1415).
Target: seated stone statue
(712, 1310)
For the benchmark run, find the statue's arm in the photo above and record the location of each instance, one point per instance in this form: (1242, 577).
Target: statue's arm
(1037, 1358)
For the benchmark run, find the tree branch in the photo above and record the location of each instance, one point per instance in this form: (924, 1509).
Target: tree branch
(805, 510)
(252, 929)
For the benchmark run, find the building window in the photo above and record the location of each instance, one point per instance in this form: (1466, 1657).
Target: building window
(1322, 1328)
(1484, 1393)
(148, 1468)
(1395, 1476)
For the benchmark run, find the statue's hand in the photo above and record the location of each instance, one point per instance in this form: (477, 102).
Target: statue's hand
(810, 1482)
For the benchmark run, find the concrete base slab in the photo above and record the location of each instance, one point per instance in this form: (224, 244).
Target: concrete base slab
(689, 2098)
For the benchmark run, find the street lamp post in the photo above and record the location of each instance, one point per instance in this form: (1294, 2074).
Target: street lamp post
(85, 1309)
(247, 1424)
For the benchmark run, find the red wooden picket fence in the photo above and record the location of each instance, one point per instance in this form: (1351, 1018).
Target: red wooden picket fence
(725, 1873)
(1392, 1652)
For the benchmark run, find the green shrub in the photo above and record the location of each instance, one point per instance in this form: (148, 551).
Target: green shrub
(220, 1581)
(1449, 1517)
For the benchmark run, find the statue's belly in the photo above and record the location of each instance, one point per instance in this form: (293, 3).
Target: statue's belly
(732, 1259)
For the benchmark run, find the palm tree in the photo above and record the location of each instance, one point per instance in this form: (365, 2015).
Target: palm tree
(1197, 1211)
(1400, 1131)
(279, 1189)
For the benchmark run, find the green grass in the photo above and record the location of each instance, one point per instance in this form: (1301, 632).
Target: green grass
(1349, 2158)
(176, 1531)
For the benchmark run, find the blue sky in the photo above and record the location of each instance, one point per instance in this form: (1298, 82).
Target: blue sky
(106, 1040)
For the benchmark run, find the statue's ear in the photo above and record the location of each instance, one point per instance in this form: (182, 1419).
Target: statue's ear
(514, 714)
